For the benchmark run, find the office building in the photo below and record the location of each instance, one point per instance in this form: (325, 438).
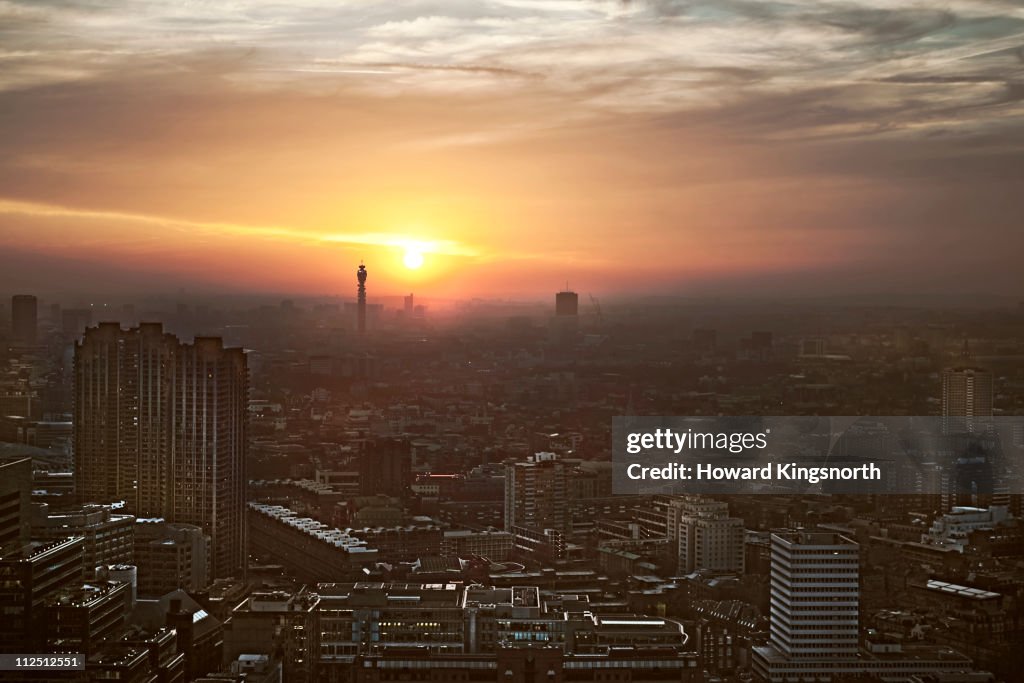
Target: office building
(171, 556)
(161, 425)
(29, 577)
(24, 319)
(707, 537)
(567, 303)
(815, 594)
(15, 502)
(280, 623)
(108, 535)
(815, 610)
(954, 529)
(463, 543)
(79, 618)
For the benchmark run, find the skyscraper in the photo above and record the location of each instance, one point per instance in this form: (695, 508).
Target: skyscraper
(24, 319)
(567, 303)
(161, 425)
(815, 598)
(966, 398)
(815, 594)
(564, 326)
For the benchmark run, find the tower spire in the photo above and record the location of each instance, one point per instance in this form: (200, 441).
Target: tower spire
(361, 298)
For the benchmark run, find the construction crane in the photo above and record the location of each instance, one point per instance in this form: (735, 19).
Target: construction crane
(597, 308)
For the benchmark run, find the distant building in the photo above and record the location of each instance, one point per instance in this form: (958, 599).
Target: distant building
(705, 340)
(385, 468)
(361, 299)
(953, 529)
(24, 319)
(536, 493)
(812, 347)
(462, 543)
(966, 398)
(564, 326)
(567, 303)
(74, 321)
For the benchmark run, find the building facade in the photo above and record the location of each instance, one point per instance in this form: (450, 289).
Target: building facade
(161, 425)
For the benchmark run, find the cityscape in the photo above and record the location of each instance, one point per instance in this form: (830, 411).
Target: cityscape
(352, 490)
(511, 341)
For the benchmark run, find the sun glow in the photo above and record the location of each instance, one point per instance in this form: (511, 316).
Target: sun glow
(413, 259)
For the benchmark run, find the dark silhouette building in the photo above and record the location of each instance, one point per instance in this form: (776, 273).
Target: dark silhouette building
(24, 319)
(567, 303)
(385, 467)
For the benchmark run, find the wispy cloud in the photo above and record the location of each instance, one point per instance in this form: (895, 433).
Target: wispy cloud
(583, 131)
(200, 229)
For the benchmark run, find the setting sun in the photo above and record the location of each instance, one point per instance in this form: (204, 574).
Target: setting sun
(413, 259)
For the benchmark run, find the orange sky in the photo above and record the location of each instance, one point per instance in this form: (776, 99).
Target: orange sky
(619, 146)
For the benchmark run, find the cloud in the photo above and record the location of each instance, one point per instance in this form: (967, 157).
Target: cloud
(751, 134)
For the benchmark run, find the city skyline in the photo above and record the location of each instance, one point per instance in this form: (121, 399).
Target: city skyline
(631, 147)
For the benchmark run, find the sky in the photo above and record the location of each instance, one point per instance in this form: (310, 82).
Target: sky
(697, 147)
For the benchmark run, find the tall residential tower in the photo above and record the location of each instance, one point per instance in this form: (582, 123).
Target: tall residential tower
(161, 425)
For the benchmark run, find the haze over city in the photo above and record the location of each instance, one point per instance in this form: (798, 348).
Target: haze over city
(691, 148)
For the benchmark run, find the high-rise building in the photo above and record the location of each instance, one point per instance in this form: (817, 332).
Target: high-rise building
(161, 425)
(815, 610)
(815, 594)
(24, 319)
(966, 398)
(536, 493)
(707, 537)
(564, 326)
(815, 598)
(408, 305)
(567, 303)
